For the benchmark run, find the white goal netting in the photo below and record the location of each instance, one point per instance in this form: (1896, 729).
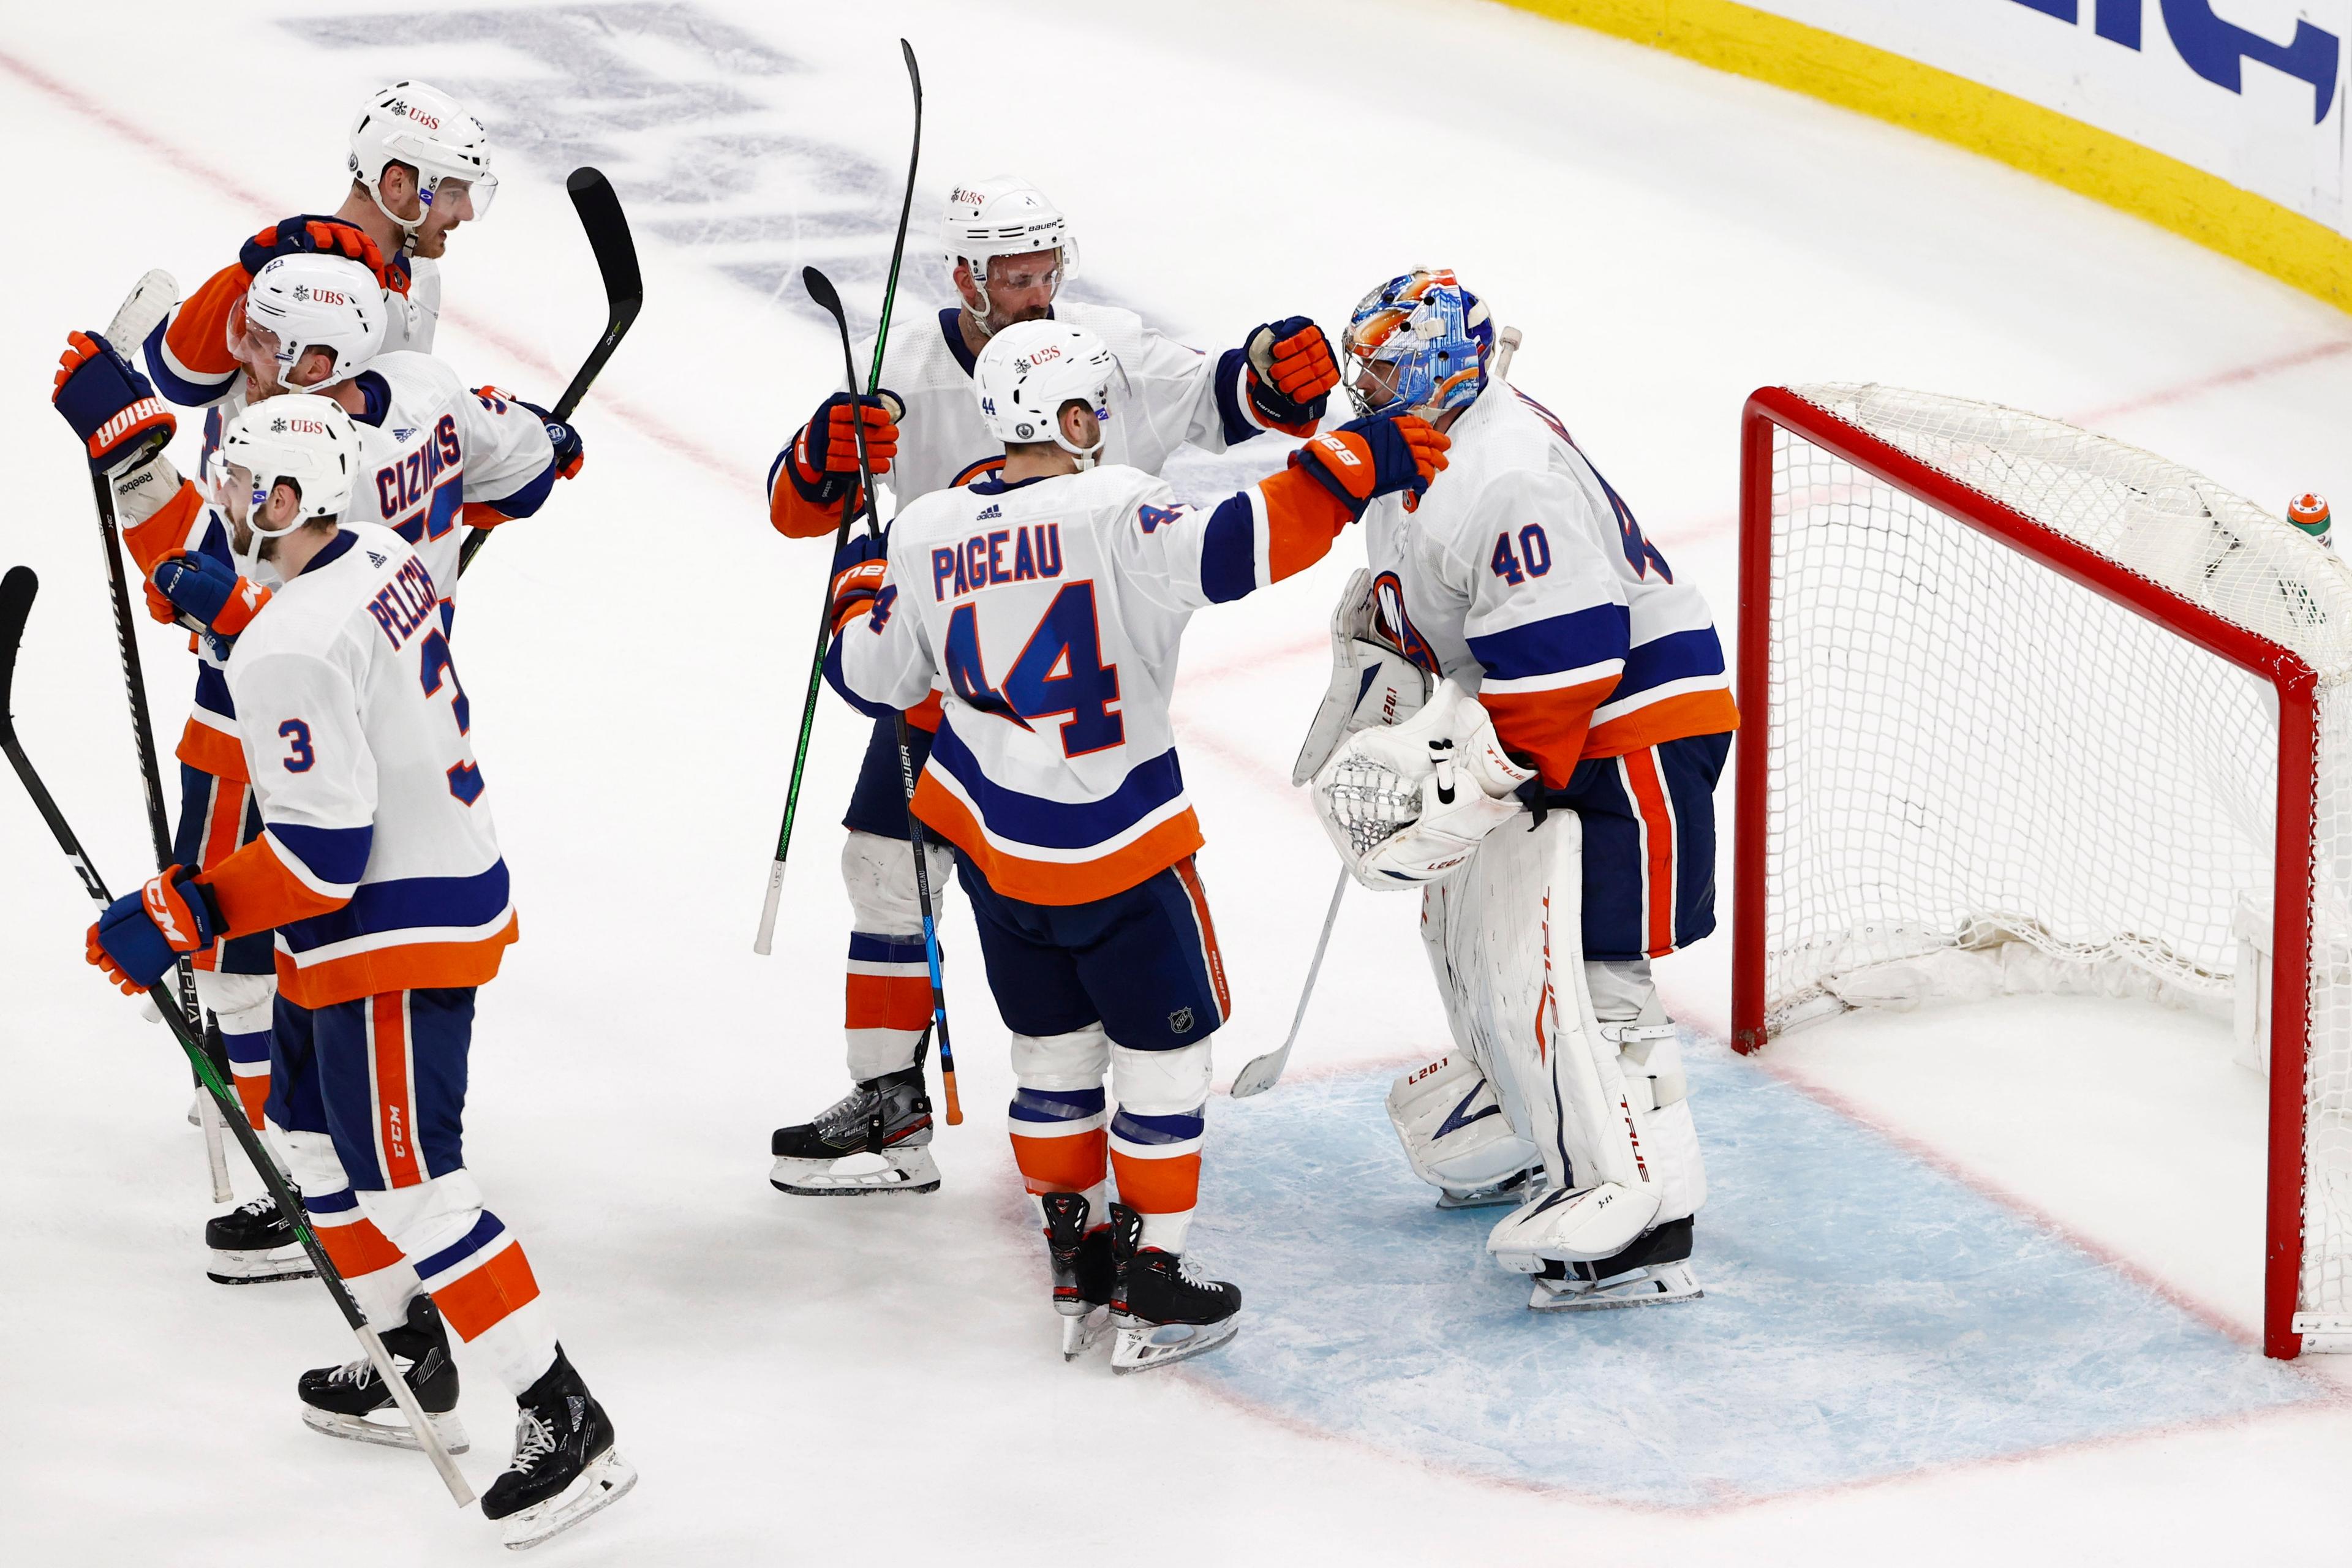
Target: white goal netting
(1979, 767)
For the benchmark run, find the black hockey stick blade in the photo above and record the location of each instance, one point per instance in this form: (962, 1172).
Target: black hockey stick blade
(607, 228)
(821, 289)
(16, 591)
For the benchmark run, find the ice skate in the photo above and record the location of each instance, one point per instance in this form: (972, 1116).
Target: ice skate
(1083, 1273)
(874, 1138)
(351, 1401)
(564, 1465)
(1654, 1272)
(1163, 1311)
(1515, 1188)
(252, 1245)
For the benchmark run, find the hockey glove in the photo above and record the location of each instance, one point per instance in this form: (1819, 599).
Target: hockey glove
(822, 458)
(313, 236)
(1291, 373)
(561, 435)
(109, 405)
(1368, 457)
(209, 592)
(858, 573)
(143, 934)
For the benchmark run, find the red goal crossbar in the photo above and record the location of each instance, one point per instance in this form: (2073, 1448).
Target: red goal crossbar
(1773, 409)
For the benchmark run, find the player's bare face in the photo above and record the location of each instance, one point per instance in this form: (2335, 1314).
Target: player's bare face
(1019, 289)
(452, 203)
(256, 351)
(236, 501)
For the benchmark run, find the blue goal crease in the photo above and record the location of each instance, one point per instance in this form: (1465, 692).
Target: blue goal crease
(1866, 1315)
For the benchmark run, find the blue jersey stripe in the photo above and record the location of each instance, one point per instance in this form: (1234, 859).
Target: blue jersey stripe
(1550, 646)
(404, 905)
(1229, 550)
(1677, 656)
(1053, 824)
(334, 855)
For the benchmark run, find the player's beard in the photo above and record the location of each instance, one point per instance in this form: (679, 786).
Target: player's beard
(997, 321)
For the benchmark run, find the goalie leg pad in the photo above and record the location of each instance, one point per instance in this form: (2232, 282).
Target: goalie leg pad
(1455, 1132)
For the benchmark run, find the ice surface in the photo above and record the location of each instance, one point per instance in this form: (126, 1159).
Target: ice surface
(834, 1381)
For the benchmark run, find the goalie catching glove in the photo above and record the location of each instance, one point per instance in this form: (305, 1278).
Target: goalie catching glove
(1408, 804)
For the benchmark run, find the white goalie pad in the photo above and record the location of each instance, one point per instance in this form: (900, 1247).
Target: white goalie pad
(1407, 804)
(1511, 922)
(1373, 685)
(1456, 1133)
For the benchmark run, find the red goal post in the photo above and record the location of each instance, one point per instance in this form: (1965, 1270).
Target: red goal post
(1898, 549)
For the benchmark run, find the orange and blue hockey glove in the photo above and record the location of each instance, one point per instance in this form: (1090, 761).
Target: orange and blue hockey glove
(858, 573)
(309, 235)
(564, 437)
(1368, 457)
(1291, 373)
(110, 405)
(209, 593)
(823, 458)
(141, 935)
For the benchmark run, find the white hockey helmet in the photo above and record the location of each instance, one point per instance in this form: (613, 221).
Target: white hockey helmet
(1005, 216)
(308, 300)
(304, 440)
(1028, 372)
(419, 125)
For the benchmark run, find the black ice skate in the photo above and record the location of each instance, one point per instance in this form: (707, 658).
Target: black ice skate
(253, 1245)
(341, 1400)
(887, 1116)
(1163, 1312)
(1654, 1272)
(564, 1465)
(1083, 1273)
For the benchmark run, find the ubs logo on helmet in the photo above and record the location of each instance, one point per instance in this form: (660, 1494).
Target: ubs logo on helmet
(302, 426)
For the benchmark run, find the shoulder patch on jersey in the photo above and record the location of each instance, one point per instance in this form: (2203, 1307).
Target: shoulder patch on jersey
(1152, 517)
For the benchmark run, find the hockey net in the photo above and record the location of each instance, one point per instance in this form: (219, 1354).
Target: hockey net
(2026, 708)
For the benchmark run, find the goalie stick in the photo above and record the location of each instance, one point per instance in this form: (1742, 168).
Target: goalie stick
(1262, 1073)
(149, 300)
(821, 289)
(624, 294)
(764, 942)
(16, 591)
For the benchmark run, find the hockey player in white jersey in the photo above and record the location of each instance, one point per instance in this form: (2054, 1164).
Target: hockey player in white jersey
(1049, 599)
(1009, 250)
(1552, 799)
(378, 868)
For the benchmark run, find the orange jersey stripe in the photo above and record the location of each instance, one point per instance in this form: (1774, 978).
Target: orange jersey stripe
(1547, 729)
(166, 533)
(256, 893)
(1056, 881)
(1302, 519)
(1158, 1186)
(1692, 713)
(481, 1298)
(1069, 1164)
(795, 518)
(198, 335)
(213, 752)
(411, 966)
(926, 714)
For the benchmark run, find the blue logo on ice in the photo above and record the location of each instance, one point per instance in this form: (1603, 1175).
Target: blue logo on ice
(2213, 48)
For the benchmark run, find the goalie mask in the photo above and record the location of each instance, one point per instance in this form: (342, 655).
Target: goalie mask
(1031, 369)
(1431, 339)
(1409, 804)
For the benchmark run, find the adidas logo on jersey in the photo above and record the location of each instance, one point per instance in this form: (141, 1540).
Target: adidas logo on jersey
(403, 435)
(992, 513)
(379, 560)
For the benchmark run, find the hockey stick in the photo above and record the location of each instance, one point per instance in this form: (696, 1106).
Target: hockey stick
(624, 294)
(764, 942)
(821, 289)
(1261, 1073)
(133, 320)
(16, 591)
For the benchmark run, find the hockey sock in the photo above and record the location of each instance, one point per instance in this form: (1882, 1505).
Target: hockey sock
(242, 1004)
(888, 1002)
(380, 1278)
(1155, 1138)
(1057, 1139)
(476, 1269)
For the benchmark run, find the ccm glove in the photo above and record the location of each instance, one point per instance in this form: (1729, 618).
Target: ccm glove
(110, 405)
(569, 454)
(822, 458)
(858, 573)
(1291, 373)
(143, 934)
(207, 591)
(312, 236)
(1369, 457)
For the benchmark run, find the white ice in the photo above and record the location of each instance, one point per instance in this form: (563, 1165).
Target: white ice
(844, 1382)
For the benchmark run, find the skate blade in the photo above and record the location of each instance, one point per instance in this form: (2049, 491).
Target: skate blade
(1641, 1289)
(1147, 1345)
(393, 1434)
(259, 1268)
(604, 1482)
(1516, 1190)
(820, 1179)
(1083, 1331)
